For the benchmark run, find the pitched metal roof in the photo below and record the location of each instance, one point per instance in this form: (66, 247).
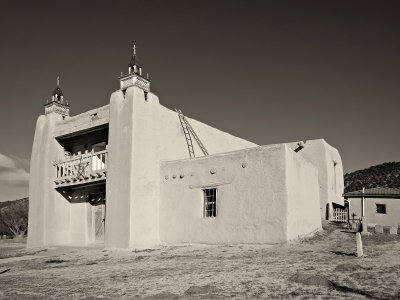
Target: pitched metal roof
(375, 192)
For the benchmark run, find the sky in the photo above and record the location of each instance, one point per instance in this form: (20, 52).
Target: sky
(267, 71)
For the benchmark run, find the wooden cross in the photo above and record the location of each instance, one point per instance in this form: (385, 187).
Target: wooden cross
(81, 169)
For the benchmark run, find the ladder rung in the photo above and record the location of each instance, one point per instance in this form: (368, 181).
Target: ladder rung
(188, 131)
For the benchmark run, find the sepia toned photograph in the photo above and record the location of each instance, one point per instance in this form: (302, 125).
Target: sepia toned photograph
(197, 149)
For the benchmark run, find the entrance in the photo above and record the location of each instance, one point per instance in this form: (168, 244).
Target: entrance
(98, 202)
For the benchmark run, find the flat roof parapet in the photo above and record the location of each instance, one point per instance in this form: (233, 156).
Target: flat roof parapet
(91, 119)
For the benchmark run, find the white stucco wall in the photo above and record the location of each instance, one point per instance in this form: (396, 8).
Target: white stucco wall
(391, 218)
(53, 218)
(303, 212)
(49, 211)
(252, 202)
(89, 119)
(119, 171)
(79, 226)
(330, 176)
(335, 175)
(141, 134)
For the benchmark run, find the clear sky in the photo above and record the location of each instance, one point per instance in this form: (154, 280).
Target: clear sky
(266, 71)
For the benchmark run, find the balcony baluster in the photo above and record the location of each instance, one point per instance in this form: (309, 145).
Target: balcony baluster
(81, 168)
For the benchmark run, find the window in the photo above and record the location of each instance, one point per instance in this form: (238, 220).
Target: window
(381, 208)
(210, 203)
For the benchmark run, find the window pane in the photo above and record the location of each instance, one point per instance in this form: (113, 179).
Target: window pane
(381, 208)
(210, 202)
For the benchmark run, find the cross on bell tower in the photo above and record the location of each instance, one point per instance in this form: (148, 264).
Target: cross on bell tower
(133, 64)
(134, 76)
(57, 103)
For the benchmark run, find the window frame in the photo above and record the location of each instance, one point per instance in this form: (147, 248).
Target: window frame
(206, 199)
(378, 210)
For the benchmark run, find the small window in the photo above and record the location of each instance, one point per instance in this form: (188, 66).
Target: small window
(210, 203)
(381, 208)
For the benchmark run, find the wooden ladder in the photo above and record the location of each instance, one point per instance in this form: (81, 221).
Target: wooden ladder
(188, 131)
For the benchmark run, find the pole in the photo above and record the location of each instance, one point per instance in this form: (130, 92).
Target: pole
(364, 221)
(363, 202)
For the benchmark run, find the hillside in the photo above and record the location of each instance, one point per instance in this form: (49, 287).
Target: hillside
(383, 175)
(6, 203)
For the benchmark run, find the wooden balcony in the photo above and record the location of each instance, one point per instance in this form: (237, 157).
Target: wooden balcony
(81, 169)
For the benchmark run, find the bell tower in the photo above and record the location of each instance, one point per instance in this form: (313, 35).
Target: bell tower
(57, 104)
(135, 76)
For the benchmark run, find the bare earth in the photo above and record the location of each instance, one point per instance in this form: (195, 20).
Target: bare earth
(322, 267)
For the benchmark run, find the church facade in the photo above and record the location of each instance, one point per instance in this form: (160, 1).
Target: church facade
(137, 174)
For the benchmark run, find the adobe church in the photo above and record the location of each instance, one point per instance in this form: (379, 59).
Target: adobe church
(134, 173)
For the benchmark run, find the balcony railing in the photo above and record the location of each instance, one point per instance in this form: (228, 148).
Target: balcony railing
(81, 168)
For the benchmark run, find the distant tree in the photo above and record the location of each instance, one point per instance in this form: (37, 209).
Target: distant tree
(15, 216)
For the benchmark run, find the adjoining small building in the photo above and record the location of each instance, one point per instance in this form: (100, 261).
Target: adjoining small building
(266, 194)
(381, 206)
(136, 174)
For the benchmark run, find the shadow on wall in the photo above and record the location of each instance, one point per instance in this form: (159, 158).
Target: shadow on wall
(327, 212)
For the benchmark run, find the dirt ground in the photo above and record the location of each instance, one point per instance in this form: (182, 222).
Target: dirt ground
(322, 267)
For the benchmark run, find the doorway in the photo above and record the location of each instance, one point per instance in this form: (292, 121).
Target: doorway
(98, 203)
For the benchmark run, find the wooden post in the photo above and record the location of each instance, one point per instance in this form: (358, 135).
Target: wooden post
(106, 159)
(363, 202)
(363, 219)
(364, 225)
(359, 245)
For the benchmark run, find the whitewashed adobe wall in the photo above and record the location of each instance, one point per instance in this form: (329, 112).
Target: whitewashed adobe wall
(54, 219)
(303, 214)
(141, 134)
(258, 191)
(330, 172)
(49, 212)
(390, 218)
